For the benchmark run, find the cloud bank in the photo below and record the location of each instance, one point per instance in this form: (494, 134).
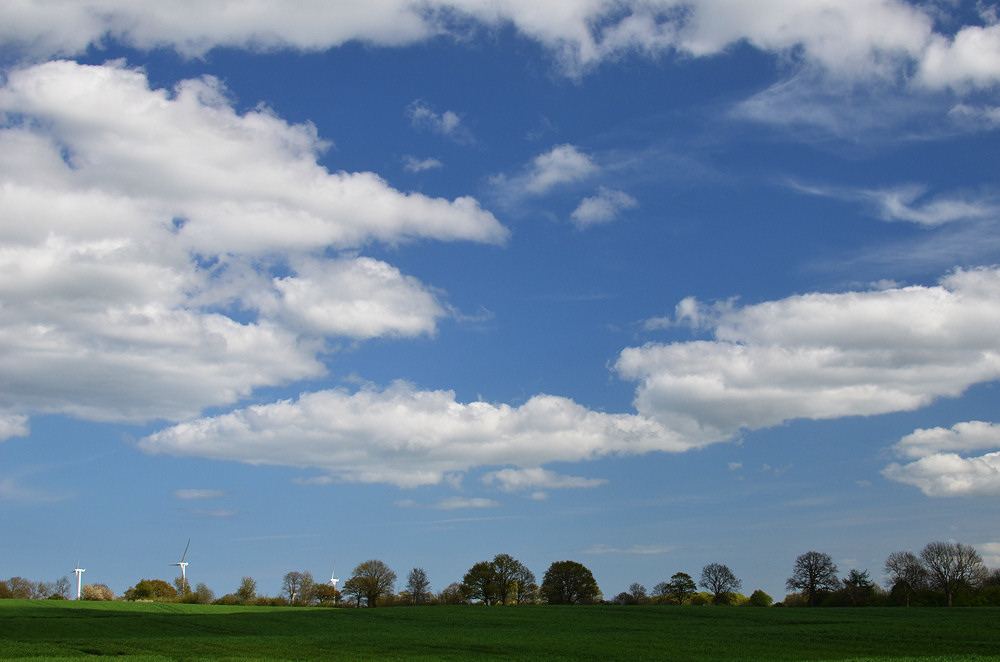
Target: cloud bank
(941, 463)
(163, 253)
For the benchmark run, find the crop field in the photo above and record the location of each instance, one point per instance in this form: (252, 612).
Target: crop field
(158, 631)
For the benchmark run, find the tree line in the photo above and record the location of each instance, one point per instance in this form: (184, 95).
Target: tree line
(942, 573)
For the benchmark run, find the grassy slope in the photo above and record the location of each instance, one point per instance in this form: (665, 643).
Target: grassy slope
(168, 631)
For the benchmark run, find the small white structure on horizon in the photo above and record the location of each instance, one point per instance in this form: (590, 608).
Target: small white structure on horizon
(79, 578)
(183, 565)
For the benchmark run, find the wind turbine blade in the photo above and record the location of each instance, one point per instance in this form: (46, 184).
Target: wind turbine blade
(186, 550)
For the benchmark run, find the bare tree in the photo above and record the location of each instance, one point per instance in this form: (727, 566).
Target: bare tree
(813, 573)
(721, 581)
(418, 585)
(61, 587)
(525, 586)
(907, 572)
(950, 566)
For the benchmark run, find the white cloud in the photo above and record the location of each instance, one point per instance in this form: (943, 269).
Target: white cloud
(13, 426)
(560, 166)
(139, 219)
(950, 475)
(413, 164)
(532, 478)
(457, 502)
(970, 436)
(822, 356)
(911, 202)
(448, 123)
(409, 437)
(604, 207)
(970, 59)
(942, 466)
(198, 494)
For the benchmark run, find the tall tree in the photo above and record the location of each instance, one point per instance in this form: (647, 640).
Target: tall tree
(506, 568)
(678, 590)
(906, 572)
(480, 583)
(569, 583)
(859, 587)
(418, 585)
(525, 588)
(721, 581)
(950, 566)
(291, 585)
(813, 573)
(247, 590)
(375, 579)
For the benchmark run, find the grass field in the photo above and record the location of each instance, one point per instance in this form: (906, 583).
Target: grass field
(155, 631)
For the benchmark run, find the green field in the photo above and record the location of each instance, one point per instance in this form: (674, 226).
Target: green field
(156, 631)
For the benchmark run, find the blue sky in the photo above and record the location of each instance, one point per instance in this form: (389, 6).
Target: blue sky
(646, 285)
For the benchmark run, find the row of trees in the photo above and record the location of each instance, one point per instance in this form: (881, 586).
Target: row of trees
(943, 573)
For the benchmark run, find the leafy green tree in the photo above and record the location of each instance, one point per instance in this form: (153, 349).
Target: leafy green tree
(375, 579)
(418, 586)
(813, 573)
(760, 599)
(325, 594)
(569, 583)
(291, 585)
(859, 588)
(247, 590)
(452, 595)
(952, 566)
(150, 589)
(352, 588)
(525, 588)
(205, 595)
(479, 583)
(677, 591)
(721, 581)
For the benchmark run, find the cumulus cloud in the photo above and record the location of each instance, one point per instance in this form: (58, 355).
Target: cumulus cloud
(942, 465)
(409, 437)
(821, 356)
(604, 207)
(140, 219)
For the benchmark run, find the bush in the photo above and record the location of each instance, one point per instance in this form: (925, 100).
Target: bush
(760, 599)
(229, 599)
(96, 592)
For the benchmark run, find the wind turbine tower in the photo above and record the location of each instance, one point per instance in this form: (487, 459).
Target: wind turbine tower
(79, 578)
(333, 576)
(184, 566)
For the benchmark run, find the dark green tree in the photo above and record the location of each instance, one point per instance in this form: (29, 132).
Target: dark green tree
(677, 591)
(479, 583)
(375, 580)
(569, 583)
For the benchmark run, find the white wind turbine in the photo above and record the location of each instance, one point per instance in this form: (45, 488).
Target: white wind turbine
(183, 566)
(79, 578)
(333, 576)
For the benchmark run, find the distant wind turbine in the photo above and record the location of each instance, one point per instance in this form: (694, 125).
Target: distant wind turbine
(79, 578)
(333, 576)
(184, 566)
